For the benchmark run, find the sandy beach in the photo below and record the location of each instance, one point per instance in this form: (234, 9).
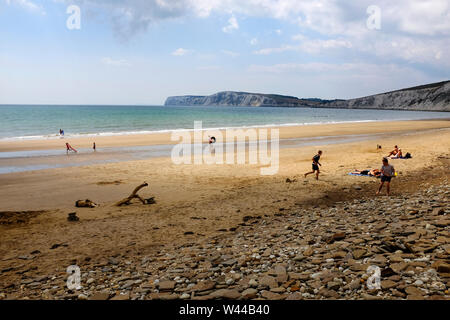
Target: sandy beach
(193, 202)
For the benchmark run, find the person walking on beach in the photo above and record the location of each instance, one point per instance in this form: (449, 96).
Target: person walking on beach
(315, 165)
(211, 142)
(94, 147)
(387, 172)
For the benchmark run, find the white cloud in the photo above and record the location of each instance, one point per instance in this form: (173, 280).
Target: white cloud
(230, 53)
(316, 46)
(308, 45)
(117, 63)
(267, 51)
(420, 28)
(359, 70)
(254, 41)
(28, 5)
(340, 80)
(209, 68)
(232, 25)
(180, 52)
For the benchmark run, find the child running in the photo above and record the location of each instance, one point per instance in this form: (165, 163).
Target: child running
(387, 172)
(315, 165)
(70, 148)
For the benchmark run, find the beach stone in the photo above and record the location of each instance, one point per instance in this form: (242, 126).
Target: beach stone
(271, 295)
(99, 296)
(328, 293)
(367, 296)
(355, 284)
(226, 294)
(295, 296)
(82, 297)
(441, 267)
(253, 283)
(299, 258)
(399, 267)
(185, 296)
(113, 261)
(278, 290)
(359, 253)
(308, 252)
(249, 293)
(268, 281)
(167, 296)
(166, 285)
(125, 296)
(413, 291)
(333, 285)
(336, 237)
(388, 284)
(204, 286)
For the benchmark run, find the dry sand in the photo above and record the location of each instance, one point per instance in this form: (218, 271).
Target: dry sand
(199, 198)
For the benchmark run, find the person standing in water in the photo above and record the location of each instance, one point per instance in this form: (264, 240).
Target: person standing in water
(387, 172)
(315, 165)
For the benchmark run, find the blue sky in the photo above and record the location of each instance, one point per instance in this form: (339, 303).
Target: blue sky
(141, 51)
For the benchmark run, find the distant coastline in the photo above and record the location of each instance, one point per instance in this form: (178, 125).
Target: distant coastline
(429, 97)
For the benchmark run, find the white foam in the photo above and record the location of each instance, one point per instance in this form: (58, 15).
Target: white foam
(142, 132)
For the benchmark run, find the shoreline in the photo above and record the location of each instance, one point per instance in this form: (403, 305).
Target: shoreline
(286, 132)
(36, 160)
(165, 131)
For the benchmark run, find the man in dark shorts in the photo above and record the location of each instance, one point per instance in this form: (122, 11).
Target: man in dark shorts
(387, 172)
(315, 165)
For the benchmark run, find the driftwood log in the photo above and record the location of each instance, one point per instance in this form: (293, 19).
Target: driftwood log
(133, 195)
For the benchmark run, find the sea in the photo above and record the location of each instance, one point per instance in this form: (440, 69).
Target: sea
(22, 122)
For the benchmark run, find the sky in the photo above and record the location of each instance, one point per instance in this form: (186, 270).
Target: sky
(141, 51)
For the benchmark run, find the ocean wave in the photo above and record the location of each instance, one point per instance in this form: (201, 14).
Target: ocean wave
(161, 131)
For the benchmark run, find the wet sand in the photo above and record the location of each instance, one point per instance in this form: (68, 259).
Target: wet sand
(285, 133)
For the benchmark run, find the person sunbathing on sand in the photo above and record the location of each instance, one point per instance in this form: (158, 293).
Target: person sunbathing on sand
(393, 152)
(371, 172)
(399, 155)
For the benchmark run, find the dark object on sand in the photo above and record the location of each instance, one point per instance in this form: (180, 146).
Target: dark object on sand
(85, 204)
(150, 200)
(127, 200)
(378, 147)
(73, 217)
